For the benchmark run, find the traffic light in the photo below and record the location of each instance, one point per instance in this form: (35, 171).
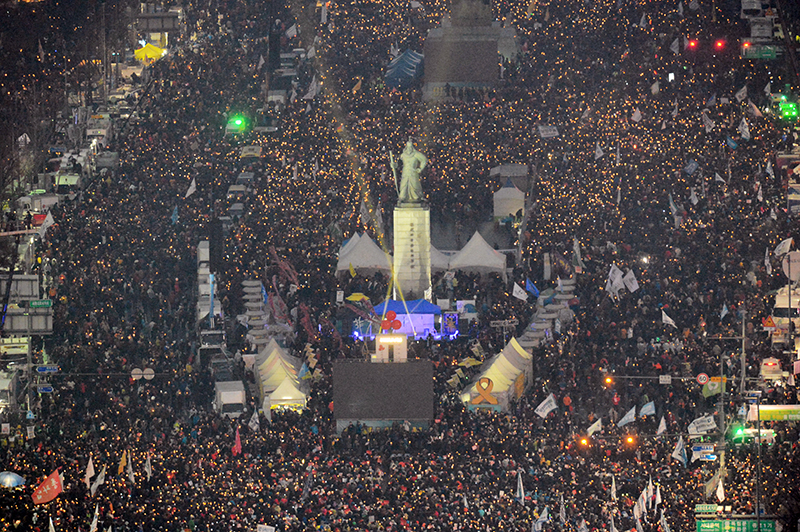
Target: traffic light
(738, 434)
(788, 111)
(236, 124)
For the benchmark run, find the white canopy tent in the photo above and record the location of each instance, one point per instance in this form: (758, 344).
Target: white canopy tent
(508, 201)
(510, 371)
(439, 261)
(364, 255)
(287, 395)
(478, 256)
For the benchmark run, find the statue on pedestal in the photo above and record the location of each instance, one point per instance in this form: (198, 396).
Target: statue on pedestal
(414, 162)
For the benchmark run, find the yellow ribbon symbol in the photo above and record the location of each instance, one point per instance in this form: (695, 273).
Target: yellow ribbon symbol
(484, 387)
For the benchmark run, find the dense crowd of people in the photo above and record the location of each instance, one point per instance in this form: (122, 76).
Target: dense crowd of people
(636, 175)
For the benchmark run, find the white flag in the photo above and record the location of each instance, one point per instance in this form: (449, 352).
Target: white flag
(611, 527)
(655, 88)
(649, 409)
(744, 129)
(260, 62)
(630, 281)
(680, 9)
(52, 527)
(292, 31)
(707, 123)
(770, 172)
(89, 473)
(585, 114)
(643, 21)
(720, 491)
(767, 262)
(598, 152)
(680, 451)
(718, 177)
(148, 467)
(595, 427)
(662, 426)
(675, 47)
(130, 468)
(741, 94)
(192, 188)
(724, 311)
(784, 247)
(323, 15)
(693, 197)
(93, 526)
(543, 518)
(666, 320)
(48, 221)
(658, 495)
(101, 478)
(519, 293)
(254, 424)
(664, 525)
(768, 88)
(520, 495)
(562, 512)
(628, 418)
(755, 111)
(637, 115)
(546, 406)
(613, 488)
(639, 525)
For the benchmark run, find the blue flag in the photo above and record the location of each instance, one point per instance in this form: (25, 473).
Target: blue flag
(175, 215)
(529, 286)
(732, 144)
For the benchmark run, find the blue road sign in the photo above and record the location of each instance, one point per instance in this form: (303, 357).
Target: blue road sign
(48, 369)
(708, 457)
(703, 448)
(44, 388)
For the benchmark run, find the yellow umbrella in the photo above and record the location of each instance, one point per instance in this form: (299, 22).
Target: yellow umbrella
(148, 52)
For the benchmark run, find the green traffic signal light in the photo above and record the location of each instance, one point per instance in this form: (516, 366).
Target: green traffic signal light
(788, 110)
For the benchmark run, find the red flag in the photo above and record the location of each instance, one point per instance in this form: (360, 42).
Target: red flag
(49, 489)
(237, 446)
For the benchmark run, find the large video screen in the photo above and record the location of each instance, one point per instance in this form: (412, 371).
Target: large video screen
(386, 391)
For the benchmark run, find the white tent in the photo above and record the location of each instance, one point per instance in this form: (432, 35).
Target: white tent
(439, 261)
(478, 256)
(287, 395)
(508, 201)
(364, 255)
(274, 365)
(510, 371)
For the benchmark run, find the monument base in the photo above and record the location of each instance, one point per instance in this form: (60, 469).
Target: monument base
(412, 250)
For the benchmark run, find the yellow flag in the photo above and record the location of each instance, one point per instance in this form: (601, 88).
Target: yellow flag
(122, 463)
(357, 87)
(352, 270)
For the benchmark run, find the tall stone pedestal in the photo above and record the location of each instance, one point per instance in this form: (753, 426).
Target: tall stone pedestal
(412, 250)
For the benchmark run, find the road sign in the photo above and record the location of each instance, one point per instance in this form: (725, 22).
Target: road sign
(705, 508)
(40, 303)
(665, 379)
(791, 264)
(702, 378)
(30, 415)
(48, 369)
(731, 525)
(768, 323)
(708, 457)
(44, 388)
(703, 448)
(504, 323)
